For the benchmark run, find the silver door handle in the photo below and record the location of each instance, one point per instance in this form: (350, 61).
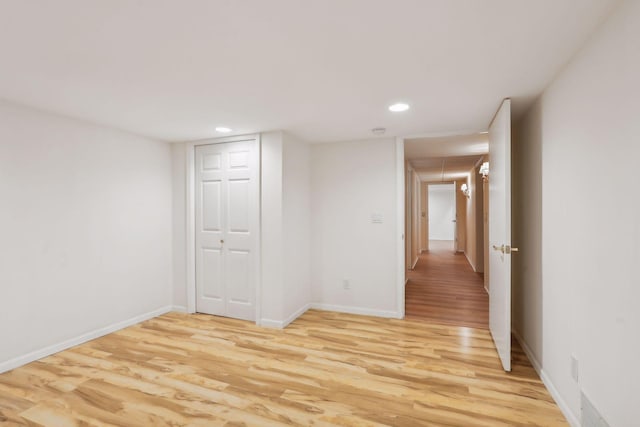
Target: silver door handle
(505, 249)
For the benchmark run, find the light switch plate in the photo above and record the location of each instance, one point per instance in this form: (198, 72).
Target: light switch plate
(377, 218)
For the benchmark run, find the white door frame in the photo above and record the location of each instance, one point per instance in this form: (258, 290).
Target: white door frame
(400, 214)
(190, 148)
(456, 242)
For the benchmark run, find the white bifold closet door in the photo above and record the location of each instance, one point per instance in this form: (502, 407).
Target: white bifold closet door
(227, 203)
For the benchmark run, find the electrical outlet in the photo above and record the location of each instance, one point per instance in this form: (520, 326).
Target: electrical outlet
(574, 368)
(346, 284)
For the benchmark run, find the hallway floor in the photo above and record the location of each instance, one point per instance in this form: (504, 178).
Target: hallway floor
(443, 288)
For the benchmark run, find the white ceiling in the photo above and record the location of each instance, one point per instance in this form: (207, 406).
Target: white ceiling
(446, 146)
(443, 169)
(445, 158)
(323, 70)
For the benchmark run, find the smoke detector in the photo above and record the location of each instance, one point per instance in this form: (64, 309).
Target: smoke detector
(378, 131)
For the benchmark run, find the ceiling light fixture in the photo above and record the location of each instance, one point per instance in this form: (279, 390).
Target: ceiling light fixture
(223, 129)
(399, 107)
(378, 131)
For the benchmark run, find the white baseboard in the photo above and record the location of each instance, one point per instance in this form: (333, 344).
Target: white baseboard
(571, 417)
(356, 310)
(527, 350)
(566, 411)
(296, 314)
(55, 348)
(413, 267)
(179, 308)
(270, 323)
(475, 269)
(281, 324)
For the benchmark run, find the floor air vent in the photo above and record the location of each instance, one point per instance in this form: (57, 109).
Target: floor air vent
(590, 416)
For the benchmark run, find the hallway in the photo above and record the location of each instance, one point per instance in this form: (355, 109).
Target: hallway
(443, 288)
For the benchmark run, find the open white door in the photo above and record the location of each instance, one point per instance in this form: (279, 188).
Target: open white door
(500, 232)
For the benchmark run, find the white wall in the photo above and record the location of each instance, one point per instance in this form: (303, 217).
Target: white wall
(424, 223)
(526, 202)
(412, 208)
(350, 181)
(415, 218)
(178, 168)
(474, 249)
(408, 223)
(296, 217)
(442, 210)
(271, 224)
(585, 127)
(286, 212)
(460, 226)
(85, 226)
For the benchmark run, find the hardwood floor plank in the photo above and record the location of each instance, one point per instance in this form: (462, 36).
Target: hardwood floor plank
(443, 288)
(325, 369)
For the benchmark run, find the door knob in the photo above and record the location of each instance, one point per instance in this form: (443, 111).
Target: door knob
(505, 249)
(221, 241)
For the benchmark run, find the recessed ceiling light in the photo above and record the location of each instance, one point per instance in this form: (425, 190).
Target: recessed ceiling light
(400, 106)
(223, 129)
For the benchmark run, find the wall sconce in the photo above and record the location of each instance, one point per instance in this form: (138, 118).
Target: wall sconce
(465, 190)
(484, 171)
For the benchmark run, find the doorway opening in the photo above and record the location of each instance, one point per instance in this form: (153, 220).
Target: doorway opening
(441, 216)
(446, 211)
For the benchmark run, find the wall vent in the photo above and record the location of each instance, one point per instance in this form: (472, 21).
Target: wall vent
(590, 417)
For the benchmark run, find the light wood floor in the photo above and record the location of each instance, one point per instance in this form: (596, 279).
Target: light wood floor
(324, 369)
(443, 288)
